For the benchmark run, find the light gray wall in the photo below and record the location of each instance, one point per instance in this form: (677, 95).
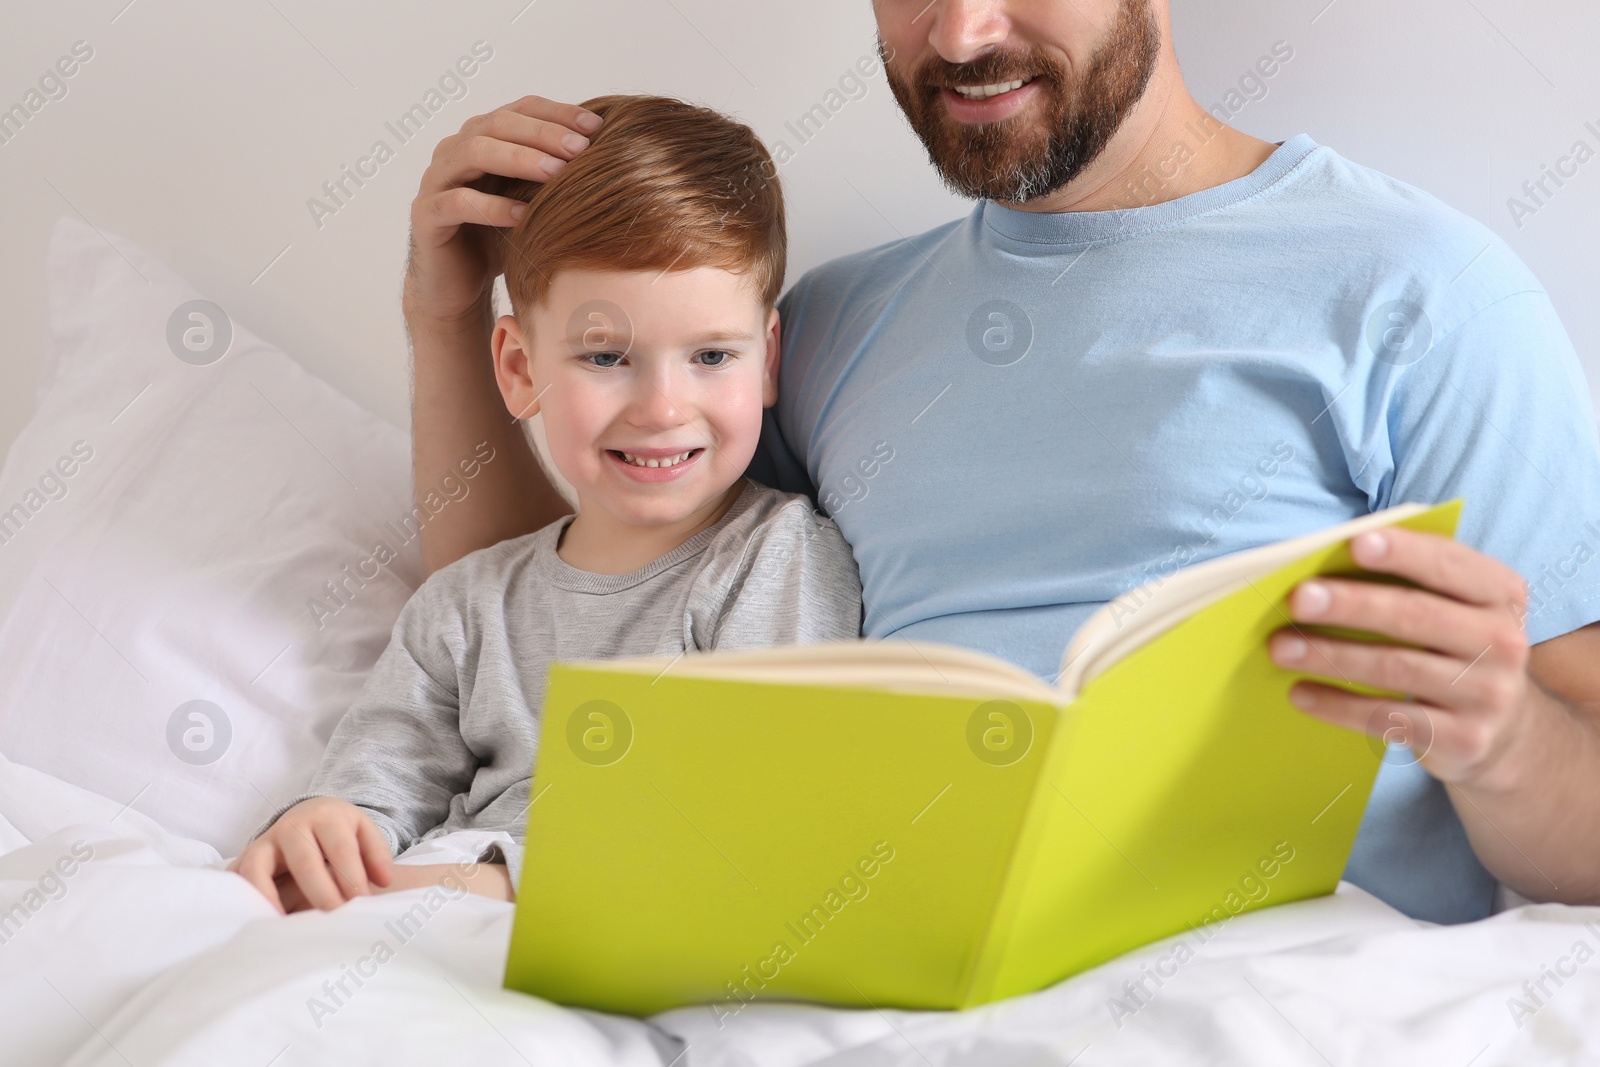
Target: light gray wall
(201, 129)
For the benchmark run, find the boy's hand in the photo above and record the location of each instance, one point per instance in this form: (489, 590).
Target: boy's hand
(321, 852)
(490, 880)
(453, 260)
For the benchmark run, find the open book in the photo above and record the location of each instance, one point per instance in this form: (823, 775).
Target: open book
(916, 825)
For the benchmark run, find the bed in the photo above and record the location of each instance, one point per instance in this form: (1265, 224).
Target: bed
(189, 597)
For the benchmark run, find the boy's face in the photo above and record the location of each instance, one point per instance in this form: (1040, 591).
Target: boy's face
(632, 367)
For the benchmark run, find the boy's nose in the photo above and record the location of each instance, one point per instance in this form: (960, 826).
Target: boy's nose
(654, 405)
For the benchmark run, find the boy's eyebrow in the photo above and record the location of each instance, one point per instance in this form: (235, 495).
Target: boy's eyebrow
(722, 335)
(718, 334)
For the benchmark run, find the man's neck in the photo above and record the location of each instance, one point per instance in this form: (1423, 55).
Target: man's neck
(1168, 146)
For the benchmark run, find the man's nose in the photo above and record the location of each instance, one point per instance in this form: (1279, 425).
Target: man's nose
(962, 30)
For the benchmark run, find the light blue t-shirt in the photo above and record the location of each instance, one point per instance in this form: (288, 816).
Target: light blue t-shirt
(1017, 416)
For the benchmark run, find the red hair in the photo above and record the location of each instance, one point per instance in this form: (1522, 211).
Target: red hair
(663, 185)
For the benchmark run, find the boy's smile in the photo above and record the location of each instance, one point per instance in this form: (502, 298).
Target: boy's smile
(655, 464)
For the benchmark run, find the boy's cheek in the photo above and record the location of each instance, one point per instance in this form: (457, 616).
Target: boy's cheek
(736, 420)
(573, 435)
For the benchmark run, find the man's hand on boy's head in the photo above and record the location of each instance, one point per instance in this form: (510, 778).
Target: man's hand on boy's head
(319, 853)
(453, 258)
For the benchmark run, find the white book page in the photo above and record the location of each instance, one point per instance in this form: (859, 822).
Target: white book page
(904, 666)
(1140, 616)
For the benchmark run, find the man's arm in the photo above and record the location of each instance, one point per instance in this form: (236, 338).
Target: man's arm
(448, 306)
(456, 406)
(1512, 732)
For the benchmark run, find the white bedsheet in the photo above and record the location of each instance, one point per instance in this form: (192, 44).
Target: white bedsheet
(149, 953)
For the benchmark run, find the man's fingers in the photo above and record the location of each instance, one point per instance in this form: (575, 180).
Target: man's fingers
(468, 159)
(517, 131)
(1441, 564)
(1401, 722)
(1414, 616)
(443, 212)
(490, 155)
(502, 142)
(569, 115)
(375, 851)
(310, 870)
(1448, 744)
(259, 864)
(1442, 680)
(338, 844)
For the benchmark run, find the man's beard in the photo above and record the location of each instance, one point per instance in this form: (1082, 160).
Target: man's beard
(1022, 157)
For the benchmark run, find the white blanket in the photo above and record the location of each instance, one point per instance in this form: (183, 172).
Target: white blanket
(147, 953)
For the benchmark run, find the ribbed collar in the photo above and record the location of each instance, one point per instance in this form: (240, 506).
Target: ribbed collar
(563, 574)
(1076, 228)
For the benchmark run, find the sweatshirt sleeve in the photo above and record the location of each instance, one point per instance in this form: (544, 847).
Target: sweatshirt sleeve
(398, 753)
(793, 582)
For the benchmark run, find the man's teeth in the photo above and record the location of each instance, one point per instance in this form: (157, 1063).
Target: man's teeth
(664, 461)
(983, 92)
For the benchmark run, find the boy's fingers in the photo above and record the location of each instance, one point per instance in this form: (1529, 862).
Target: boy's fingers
(375, 851)
(293, 899)
(338, 844)
(257, 864)
(309, 868)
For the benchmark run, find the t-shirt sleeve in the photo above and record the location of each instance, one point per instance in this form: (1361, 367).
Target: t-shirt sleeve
(398, 753)
(1497, 411)
(795, 583)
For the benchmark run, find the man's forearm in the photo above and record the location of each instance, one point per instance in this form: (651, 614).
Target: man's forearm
(1537, 827)
(455, 407)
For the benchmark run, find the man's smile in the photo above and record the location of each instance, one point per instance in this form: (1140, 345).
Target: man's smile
(983, 92)
(990, 102)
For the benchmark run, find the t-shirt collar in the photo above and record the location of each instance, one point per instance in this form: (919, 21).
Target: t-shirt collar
(1089, 227)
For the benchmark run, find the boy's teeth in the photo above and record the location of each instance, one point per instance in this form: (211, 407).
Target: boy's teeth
(664, 461)
(983, 92)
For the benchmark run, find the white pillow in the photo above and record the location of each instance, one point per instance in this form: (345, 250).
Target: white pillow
(182, 500)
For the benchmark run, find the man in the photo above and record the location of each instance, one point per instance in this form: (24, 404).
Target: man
(1154, 341)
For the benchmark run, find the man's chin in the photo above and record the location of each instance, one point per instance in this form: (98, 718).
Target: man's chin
(1002, 183)
(983, 161)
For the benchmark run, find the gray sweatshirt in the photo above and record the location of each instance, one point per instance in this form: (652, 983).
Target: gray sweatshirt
(443, 735)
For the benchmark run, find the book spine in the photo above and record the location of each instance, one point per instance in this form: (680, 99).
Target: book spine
(994, 946)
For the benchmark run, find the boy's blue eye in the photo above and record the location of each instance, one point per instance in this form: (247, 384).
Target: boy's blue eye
(604, 356)
(721, 357)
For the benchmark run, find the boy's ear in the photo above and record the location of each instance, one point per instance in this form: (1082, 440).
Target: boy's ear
(769, 381)
(513, 367)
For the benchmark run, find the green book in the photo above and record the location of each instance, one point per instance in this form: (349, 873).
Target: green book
(913, 825)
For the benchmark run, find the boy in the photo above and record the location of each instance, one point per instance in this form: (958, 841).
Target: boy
(643, 281)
